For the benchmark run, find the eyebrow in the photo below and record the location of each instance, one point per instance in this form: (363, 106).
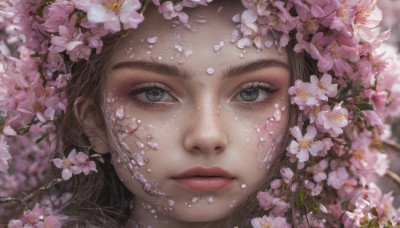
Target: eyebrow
(159, 68)
(174, 71)
(253, 66)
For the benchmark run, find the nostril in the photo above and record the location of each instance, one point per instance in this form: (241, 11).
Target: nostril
(218, 148)
(196, 148)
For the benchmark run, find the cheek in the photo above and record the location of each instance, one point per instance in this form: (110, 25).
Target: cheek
(270, 133)
(132, 145)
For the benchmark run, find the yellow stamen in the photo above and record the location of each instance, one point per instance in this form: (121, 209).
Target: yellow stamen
(266, 224)
(358, 155)
(304, 143)
(303, 94)
(37, 106)
(114, 5)
(66, 163)
(322, 85)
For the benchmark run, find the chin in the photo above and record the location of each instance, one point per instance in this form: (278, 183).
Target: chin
(202, 213)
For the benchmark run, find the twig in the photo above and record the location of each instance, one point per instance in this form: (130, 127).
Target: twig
(393, 176)
(391, 145)
(24, 198)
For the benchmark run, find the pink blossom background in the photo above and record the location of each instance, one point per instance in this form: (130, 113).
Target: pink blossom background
(391, 11)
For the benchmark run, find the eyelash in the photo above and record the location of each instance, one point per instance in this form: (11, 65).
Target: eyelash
(257, 85)
(134, 93)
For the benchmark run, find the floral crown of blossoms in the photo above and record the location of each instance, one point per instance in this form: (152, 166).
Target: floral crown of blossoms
(338, 142)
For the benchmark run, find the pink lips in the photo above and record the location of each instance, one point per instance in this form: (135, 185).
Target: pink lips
(204, 179)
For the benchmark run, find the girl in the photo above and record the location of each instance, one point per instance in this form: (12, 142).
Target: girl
(195, 123)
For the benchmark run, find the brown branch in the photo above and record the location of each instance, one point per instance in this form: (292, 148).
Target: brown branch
(24, 198)
(391, 145)
(394, 177)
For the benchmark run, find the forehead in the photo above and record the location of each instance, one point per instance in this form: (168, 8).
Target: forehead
(204, 43)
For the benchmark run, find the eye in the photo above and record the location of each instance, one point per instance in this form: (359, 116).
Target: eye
(255, 92)
(249, 94)
(151, 94)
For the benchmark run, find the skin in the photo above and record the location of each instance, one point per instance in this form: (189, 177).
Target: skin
(202, 120)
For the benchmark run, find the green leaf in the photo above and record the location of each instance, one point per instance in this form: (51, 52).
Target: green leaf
(343, 92)
(300, 198)
(365, 106)
(375, 212)
(356, 85)
(40, 139)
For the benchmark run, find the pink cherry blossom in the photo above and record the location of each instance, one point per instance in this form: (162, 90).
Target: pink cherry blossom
(303, 94)
(82, 164)
(318, 170)
(324, 87)
(374, 119)
(170, 11)
(75, 164)
(269, 221)
(338, 177)
(333, 121)
(265, 200)
(287, 174)
(111, 13)
(35, 218)
(65, 164)
(303, 145)
(57, 14)
(367, 17)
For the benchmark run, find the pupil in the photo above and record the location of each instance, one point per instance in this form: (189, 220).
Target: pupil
(249, 94)
(154, 94)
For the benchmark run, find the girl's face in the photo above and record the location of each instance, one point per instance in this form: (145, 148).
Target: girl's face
(193, 129)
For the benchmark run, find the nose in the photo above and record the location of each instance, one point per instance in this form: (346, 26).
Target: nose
(205, 132)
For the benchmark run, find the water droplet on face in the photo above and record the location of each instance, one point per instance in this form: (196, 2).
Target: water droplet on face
(178, 47)
(148, 170)
(153, 144)
(195, 199)
(210, 71)
(140, 145)
(243, 186)
(283, 108)
(218, 47)
(232, 204)
(210, 199)
(188, 205)
(152, 39)
(152, 211)
(277, 115)
(120, 113)
(171, 203)
(188, 53)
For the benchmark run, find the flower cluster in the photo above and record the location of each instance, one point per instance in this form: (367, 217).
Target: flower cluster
(344, 109)
(35, 218)
(75, 164)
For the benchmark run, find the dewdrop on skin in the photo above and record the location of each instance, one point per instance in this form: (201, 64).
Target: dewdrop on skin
(210, 71)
